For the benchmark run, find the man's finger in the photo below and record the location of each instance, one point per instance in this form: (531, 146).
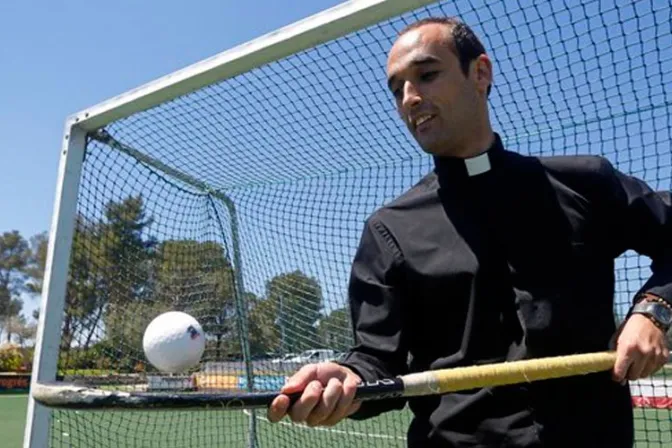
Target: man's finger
(663, 357)
(300, 379)
(344, 407)
(330, 397)
(278, 408)
(637, 368)
(650, 367)
(655, 362)
(306, 403)
(622, 365)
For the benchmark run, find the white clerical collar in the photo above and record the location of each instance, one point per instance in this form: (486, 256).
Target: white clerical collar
(478, 164)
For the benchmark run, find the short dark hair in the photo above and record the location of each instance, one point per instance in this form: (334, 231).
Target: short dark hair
(464, 42)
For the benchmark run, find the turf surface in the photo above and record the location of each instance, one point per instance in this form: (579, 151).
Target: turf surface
(209, 429)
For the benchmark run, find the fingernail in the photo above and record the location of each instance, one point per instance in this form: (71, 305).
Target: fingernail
(276, 414)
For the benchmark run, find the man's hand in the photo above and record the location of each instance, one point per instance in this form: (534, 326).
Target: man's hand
(328, 395)
(641, 349)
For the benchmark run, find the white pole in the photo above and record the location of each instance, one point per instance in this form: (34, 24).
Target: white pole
(45, 359)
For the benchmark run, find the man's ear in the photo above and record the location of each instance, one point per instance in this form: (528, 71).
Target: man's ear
(481, 68)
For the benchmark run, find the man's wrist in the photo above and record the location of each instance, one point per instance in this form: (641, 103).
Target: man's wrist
(655, 308)
(651, 298)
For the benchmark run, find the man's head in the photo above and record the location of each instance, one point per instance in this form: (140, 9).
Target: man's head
(440, 77)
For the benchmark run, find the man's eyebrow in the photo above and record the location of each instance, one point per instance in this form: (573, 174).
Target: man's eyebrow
(421, 60)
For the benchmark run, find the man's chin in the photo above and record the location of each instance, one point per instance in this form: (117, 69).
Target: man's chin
(431, 146)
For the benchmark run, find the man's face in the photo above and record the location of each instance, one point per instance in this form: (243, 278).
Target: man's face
(435, 99)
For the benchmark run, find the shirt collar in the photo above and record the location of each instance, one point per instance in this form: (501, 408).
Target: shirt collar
(478, 164)
(456, 167)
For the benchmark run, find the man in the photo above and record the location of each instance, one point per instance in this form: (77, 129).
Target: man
(494, 256)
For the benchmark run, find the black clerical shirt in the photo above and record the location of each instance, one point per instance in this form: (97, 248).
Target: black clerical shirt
(503, 257)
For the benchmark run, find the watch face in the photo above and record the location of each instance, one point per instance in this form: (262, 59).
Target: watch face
(663, 313)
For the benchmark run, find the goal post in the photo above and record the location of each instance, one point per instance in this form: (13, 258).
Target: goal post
(235, 189)
(48, 335)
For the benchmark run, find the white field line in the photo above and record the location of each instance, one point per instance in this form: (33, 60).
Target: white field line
(332, 430)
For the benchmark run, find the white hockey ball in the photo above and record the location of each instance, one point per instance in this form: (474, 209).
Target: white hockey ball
(174, 342)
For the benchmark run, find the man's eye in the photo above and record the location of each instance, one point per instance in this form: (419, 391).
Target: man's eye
(429, 76)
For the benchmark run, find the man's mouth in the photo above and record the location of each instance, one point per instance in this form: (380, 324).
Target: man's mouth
(420, 120)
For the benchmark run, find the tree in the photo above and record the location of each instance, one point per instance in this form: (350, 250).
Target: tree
(109, 281)
(10, 310)
(335, 330)
(127, 254)
(23, 330)
(86, 294)
(123, 279)
(197, 278)
(37, 263)
(296, 300)
(14, 256)
(264, 335)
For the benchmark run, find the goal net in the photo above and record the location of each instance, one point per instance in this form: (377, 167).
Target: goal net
(235, 190)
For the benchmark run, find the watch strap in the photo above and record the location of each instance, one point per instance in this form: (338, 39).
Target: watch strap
(646, 307)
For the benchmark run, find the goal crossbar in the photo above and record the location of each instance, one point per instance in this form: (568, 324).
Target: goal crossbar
(321, 27)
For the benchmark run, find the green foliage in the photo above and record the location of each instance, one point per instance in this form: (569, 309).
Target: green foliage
(127, 256)
(263, 331)
(335, 330)
(110, 277)
(37, 262)
(86, 291)
(11, 359)
(19, 273)
(197, 278)
(14, 254)
(82, 359)
(295, 301)
(120, 279)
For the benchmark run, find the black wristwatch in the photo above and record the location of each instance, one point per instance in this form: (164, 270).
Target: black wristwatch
(659, 313)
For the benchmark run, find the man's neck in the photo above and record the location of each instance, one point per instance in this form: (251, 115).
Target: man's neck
(475, 146)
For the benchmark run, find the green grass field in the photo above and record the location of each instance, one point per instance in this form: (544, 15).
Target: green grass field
(12, 418)
(210, 429)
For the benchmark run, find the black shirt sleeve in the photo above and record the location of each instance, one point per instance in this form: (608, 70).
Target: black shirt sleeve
(641, 220)
(376, 305)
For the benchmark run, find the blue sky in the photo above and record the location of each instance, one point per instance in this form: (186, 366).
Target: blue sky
(61, 56)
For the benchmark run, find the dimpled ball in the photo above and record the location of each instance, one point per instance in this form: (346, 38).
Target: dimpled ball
(173, 342)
